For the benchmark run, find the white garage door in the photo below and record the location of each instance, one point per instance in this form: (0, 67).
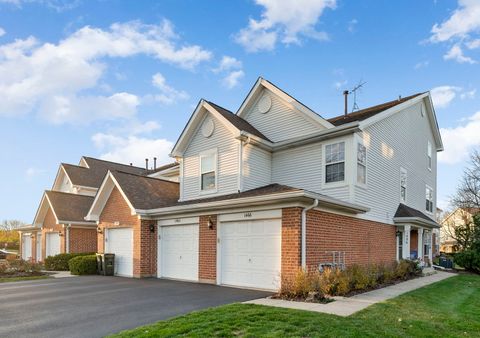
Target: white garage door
(26, 247)
(178, 250)
(52, 242)
(120, 242)
(251, 253)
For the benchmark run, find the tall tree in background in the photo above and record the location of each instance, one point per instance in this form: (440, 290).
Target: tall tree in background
(8, 234)
(468, 192)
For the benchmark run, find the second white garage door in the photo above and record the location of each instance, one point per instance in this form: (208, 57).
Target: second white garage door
(251, 253)
(119, 241)
(26, 247)
(52, 244)
(178, 251)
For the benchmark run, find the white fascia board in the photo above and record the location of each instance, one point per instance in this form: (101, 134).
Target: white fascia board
(415, 220)
(389, 112)
(250, 97)
(433, 121)
(37, 214)
(257, 200)
(192, 125)
(51, 207)
(60, 169)
(29, 228)
(84, 161)
(91, 216)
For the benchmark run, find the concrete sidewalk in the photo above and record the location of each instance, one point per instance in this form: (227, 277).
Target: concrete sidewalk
(60, 274)
(346, 306)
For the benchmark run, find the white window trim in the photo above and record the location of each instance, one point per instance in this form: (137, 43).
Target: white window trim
(324, 169)
(433, 199)
(209, 152)
(355, 153)
(403, 170)
(429, 156)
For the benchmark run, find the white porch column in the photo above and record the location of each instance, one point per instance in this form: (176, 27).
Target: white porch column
(420, 243)
(406, 242)
(430, 249)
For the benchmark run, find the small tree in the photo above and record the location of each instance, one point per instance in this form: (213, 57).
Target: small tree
(468, 192)
(468, 244)
(8, 233)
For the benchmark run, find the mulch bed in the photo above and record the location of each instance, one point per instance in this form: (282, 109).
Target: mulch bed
(22, 274)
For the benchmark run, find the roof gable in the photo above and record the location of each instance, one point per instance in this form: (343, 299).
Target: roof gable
(233, 123)
(139, 192)
(297, 106)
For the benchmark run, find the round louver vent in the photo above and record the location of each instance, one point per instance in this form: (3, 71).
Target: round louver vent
(208, 127)
(265, 104)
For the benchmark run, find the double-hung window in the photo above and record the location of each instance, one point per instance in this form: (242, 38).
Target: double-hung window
(361, 164)
(429, 199)
(335, 162)
(429, 155)
(403, 185)
(208, 171)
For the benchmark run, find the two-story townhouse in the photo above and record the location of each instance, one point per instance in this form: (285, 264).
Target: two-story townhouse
(59, 225)
(276, 187)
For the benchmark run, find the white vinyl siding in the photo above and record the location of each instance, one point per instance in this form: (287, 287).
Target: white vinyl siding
(393, 143)
(227, 161)
(281, 122)
(257, 167)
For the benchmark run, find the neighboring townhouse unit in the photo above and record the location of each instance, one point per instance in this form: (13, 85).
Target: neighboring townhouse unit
(459, 216)
(59, 225)
(276, 187)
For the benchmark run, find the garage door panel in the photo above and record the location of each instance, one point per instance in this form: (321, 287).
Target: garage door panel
(178, 251)
(120, 242)
(52, 241)
(251, 253)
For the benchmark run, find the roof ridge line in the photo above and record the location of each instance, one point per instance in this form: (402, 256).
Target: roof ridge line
(142, 176)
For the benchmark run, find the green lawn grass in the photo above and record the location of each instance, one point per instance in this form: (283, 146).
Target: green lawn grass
(450, 308)
(19, 279)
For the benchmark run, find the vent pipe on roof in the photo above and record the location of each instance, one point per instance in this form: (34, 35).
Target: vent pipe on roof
(131, 164)
(345, 94)
(154, 163)
(146, 163)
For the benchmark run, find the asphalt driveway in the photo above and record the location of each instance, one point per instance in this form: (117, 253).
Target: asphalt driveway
(95, 306)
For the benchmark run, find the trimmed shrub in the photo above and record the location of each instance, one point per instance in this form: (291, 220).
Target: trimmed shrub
(60, 262)
(83, 265)
(469, 259)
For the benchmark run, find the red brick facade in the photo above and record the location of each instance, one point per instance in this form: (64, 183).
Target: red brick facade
(82, 240)
(291, 240)
(207, 260)
(363, 241)
(116, 214)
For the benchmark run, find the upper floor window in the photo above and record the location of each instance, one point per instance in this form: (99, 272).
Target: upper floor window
(429, 155)
(429, 199)
(361, 164)
(335, 162)
(403, 185)
(208, 170)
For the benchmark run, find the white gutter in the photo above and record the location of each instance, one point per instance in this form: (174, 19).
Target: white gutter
(417, 220)
(304, 232)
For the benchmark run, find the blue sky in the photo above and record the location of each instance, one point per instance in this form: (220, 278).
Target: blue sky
(119, 79)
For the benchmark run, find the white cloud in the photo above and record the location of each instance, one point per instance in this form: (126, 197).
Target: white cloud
(55, 75)
(456, 53)
(228, 63)
(232, 79)
(58, 5)
(468, 95)
(422, 64)
(168, 94)
(2, 31)
(460, 140)
(340, 84)
(132, 149)
(284, 20)
(459, 28)
(443, 95)
(85, 109)
(463, 21)
(351, 25)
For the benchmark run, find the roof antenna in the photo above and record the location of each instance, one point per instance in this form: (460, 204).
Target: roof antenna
(358, 87)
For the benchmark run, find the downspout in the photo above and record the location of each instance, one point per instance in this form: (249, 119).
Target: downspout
(240, 163)
(304, 232)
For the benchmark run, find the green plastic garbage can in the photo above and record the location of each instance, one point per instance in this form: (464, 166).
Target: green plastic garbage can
(109, 264)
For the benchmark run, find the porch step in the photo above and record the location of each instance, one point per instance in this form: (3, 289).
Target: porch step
(427, 271)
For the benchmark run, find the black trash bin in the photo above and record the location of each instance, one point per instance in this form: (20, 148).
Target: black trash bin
(109, 264)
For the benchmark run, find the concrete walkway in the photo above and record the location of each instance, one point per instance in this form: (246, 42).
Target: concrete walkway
(346, 306)
(60, 274)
